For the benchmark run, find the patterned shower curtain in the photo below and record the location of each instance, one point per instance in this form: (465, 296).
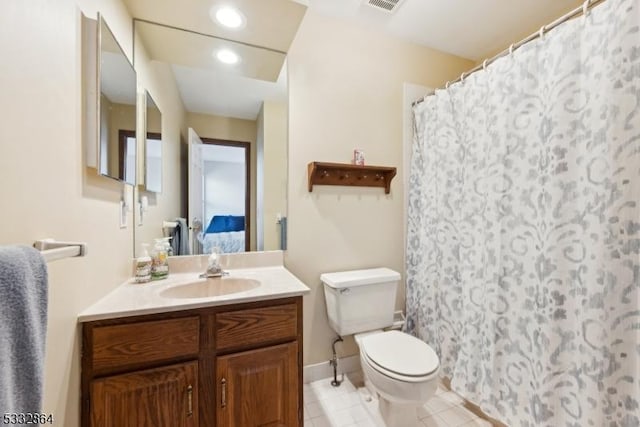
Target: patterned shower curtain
(523, 257)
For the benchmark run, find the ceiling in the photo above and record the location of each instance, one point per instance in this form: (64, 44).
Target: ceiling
(473, 29)
(269, 23)
(206, 85)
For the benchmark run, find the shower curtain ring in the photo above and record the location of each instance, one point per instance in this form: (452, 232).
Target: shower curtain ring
(484, 65)
(542, 30)
(446, 86)
(511, 49)
(462, 76)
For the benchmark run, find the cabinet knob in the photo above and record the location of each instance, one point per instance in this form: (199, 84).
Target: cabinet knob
(223, 394)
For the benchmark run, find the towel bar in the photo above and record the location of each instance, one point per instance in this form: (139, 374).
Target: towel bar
(53, 250)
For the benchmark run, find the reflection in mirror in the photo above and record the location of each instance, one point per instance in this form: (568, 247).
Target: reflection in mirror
(242, 104)
(224, 200)
(153, 147)
(117, 106)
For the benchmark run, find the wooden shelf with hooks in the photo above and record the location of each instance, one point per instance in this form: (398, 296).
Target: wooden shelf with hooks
(320, 173)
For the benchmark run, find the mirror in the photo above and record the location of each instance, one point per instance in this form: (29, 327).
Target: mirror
(117, 106)
(219, 192)
(153, 147)
(238, 112)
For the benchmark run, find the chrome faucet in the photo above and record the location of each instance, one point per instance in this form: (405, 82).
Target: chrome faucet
(214, 269)
(213, 272)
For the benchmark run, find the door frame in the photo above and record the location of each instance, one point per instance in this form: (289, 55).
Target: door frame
(123, 136)
(247, 191)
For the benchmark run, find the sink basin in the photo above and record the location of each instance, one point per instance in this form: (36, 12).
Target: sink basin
(211, 287)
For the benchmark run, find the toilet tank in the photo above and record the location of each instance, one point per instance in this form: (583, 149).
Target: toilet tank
(360, 300)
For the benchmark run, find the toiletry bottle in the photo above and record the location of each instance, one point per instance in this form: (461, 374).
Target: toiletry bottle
(159, 263)
(167, 244)
(143, 266)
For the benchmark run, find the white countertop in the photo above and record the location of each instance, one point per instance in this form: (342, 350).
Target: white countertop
(132, 299)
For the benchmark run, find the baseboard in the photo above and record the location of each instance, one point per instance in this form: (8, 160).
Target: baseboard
(346, 365)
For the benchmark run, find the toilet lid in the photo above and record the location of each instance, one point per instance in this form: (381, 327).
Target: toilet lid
(400, 353)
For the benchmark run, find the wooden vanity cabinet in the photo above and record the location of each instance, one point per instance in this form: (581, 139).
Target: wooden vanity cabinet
(259, 387)
(236, 365)
(161, 397)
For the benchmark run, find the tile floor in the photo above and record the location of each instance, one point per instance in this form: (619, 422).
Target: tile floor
(346, 406)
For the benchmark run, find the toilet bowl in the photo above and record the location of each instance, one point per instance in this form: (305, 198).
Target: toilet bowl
(403, 371)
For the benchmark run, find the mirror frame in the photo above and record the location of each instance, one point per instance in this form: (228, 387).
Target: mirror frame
(99, 72)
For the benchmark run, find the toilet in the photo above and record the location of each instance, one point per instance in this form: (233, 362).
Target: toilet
(401, 369)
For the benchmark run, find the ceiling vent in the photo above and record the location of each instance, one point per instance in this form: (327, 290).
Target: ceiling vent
(388, 6)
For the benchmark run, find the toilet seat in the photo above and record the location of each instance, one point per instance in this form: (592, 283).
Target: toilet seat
(400, 356)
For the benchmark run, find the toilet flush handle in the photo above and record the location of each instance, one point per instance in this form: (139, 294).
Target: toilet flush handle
(345, 290)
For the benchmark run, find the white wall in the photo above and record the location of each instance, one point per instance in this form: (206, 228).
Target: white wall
(46, 191)
(346, 91)
(224, 189)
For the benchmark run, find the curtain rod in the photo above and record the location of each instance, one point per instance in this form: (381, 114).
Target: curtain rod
(582, 10)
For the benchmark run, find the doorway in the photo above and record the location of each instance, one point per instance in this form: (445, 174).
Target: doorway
(226, 195)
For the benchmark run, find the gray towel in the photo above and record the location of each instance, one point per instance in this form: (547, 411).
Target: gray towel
(180, 238)
(23, 328)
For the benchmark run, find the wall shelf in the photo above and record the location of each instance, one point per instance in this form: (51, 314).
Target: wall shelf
(320, 173)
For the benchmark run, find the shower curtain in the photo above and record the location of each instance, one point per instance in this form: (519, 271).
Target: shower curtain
(523, 253)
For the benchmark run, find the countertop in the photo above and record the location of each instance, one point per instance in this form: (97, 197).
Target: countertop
(132, 299)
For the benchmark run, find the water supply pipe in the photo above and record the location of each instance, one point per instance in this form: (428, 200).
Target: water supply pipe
(334, 362)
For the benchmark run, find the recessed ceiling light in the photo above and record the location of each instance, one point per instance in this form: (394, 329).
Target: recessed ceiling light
(227, 56)
(228, 16)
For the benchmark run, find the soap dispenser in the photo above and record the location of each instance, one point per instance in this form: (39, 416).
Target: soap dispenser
(143, 266)
(159, 264)
(167, 245)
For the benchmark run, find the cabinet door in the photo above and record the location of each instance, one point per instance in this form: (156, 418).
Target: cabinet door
(162, 397)
(258, 387)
